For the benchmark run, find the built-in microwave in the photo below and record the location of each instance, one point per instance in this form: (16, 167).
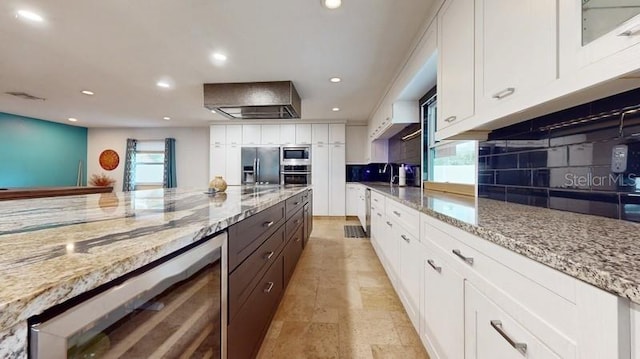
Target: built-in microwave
(295, 155)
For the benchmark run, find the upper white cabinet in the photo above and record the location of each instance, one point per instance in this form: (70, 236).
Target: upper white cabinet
(357, 145)
(217, 134)
(303, 134)
(337, 133)
(234, 134)
(319, 133)
(217, 161)
(456, 56)
(233, 166)
(516, 49)
(251, 134)
(288, 134)
(403, 112)
(270, 135)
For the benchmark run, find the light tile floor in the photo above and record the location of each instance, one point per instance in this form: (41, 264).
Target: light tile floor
(340, 304)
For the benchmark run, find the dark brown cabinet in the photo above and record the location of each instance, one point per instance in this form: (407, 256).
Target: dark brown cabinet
(263, 252)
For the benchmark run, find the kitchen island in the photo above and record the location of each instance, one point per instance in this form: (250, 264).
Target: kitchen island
(54, 249)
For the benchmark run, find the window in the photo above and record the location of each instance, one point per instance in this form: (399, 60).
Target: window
(445, 161)
(149, 168)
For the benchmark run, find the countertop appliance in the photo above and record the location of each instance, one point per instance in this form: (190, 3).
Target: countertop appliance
(171, 308)
(296, 155)
(260, 165)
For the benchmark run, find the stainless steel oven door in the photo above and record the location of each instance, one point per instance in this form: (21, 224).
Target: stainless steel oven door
(298, 155)
(296, 178)
(175, 309)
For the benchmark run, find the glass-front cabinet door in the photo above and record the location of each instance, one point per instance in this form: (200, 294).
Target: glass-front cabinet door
(599, 17)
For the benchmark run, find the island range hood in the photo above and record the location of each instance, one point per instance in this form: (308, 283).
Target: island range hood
(253, 100)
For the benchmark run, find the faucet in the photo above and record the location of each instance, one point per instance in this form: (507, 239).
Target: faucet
(388, 164)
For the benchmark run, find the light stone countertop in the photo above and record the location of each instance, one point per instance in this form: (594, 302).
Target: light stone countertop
(601, 251)
(53, 249)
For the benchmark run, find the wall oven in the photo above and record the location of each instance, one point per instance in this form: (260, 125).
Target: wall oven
(295, 155)
(172, 308)
(296, 174)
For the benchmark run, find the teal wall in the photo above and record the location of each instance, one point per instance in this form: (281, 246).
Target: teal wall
(35, 153)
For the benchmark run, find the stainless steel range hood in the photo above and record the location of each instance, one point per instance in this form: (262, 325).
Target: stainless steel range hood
(253, 100)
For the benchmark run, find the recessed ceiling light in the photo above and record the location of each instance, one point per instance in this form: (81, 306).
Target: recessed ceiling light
(87, 92)
(220, 57)
(331, 4)
(73, 119)
(335, 79)
(25, 14)
(335, 109)
(164, 85)
(167, 118)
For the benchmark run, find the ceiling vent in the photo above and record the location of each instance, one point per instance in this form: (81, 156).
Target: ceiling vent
(253, 100)
(24, 96)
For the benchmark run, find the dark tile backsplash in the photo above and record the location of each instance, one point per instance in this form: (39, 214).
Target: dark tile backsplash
(374, 172)
(555, 162)
(406, 151)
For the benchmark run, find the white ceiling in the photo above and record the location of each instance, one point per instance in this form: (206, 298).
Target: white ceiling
(120, 48)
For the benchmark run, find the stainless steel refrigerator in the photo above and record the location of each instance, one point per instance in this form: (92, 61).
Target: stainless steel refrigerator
(261, 165)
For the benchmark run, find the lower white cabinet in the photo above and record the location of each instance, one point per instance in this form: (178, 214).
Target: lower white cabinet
(352, 199)
(442, 322)
(410, 261)
(361, 206)
(491, 333)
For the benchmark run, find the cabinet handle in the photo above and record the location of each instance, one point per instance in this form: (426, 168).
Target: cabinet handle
(268, 224)
(267, 290)
(450, 119)
(397, 213)
(380, 215)
(521, 347)
(375, 200)
(389, 224)
(268, 256)
(459, 254)
(434, 266)
(298, 239)
(298, 221)
(630, 31)
(405, 238)
(296, 203)
(504, 93)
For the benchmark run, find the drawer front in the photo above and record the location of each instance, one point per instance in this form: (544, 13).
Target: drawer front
(246, 236)
(293, 222)
(377, 199)
(407, 217)
(292, 253)
(308, 220)
(477, 267)
(492, 333)
(294, 203)
(245, 277)
(246, 332)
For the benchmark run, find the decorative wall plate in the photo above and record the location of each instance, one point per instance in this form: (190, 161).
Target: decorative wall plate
(109, 160)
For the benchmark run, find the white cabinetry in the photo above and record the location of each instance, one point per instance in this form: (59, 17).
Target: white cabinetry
(270, 134)
(442, 322)
(361, 205)
(303, 134)
(234, 135)
(233, 168)
(217, 159)
(337, 179)
(356, 146)
(516, 54)
(320, 179)
(380, 151)
(455, 62)
(352, 199)
(217, 134)
(411, 254)
(336, 133)
(319, 133)
(491, 333)
(288, 134)
(251, 134)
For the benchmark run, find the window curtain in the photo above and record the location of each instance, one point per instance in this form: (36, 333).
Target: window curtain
(129, 181)
(170, 163)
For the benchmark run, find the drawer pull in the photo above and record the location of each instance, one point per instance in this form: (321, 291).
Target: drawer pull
(296, 203)
(375, 199)
(389, 224)
(405, 238)
(521, 347)
(504, 93)
(397, 213)
(459, 254)
(298, 221)
(268, 256)
(268, 224)
(450, 119)
(269, 288)
(298, 239)
(379, 214)
(434, 266)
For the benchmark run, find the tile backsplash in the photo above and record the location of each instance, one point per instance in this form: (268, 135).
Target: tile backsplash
(563, 160)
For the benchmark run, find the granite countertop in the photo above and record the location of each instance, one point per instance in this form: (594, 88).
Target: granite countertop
(600, 251)
(54, 249)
